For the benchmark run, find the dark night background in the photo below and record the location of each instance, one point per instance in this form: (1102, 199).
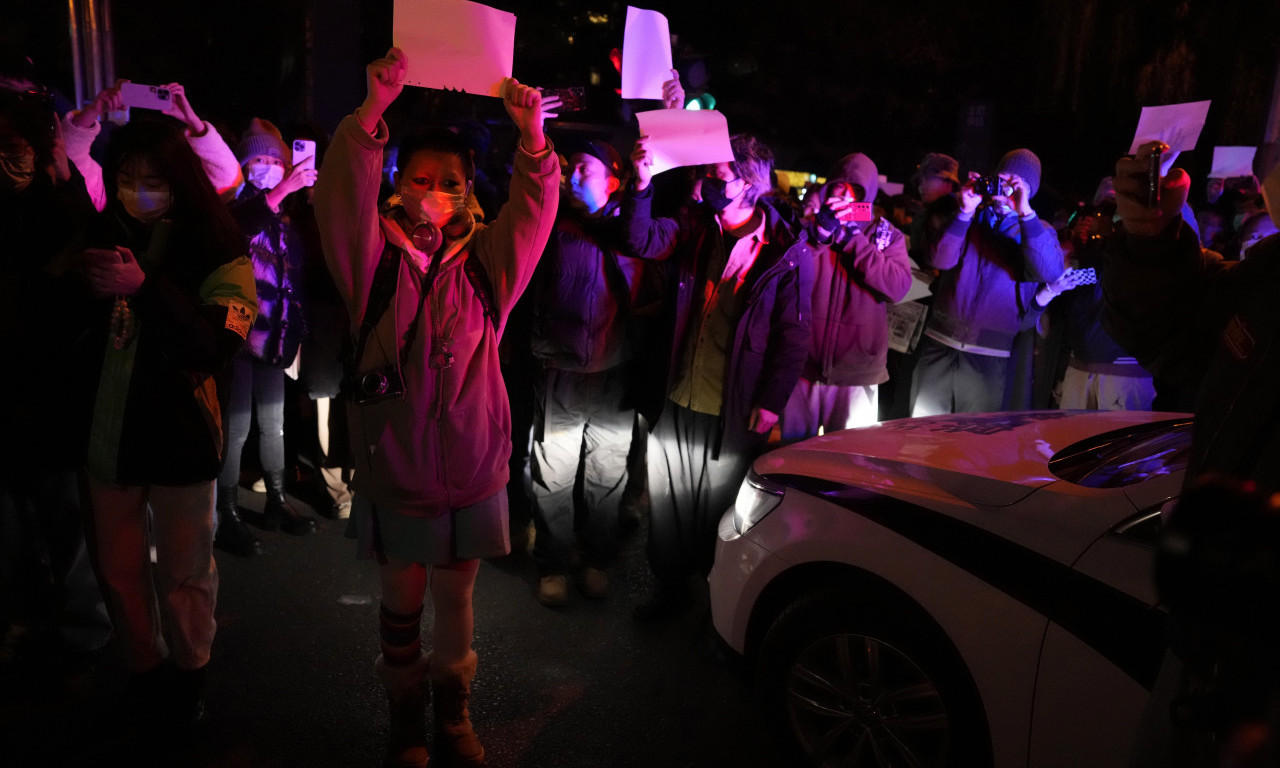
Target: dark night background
(1066, 78)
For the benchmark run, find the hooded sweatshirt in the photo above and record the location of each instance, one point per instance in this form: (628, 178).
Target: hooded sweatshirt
(859, 270)
(446, 443)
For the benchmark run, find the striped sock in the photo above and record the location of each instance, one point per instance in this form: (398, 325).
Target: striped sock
(401, 636)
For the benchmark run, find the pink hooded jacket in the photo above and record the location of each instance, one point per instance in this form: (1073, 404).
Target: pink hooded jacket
(447, 442)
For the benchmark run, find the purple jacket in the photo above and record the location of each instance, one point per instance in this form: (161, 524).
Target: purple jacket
(977, 299)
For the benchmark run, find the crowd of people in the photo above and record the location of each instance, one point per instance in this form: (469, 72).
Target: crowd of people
(656, 334)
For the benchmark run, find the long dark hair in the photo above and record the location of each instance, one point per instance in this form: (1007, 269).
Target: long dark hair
(196, 207)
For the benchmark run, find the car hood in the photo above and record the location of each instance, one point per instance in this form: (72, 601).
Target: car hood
(985, 459)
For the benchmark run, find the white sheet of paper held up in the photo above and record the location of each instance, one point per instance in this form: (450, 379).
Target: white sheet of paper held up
(1177, 125)
(680, 137)
(646, 54)
(1230, 162)
(892, 188)
(455, 44)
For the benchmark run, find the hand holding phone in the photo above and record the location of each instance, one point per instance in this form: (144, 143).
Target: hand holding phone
(146, 96)
(304, 160)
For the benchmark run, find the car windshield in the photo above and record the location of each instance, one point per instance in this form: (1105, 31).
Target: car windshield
(1126, 456)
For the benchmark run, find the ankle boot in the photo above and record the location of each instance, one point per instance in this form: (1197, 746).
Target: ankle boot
(451, 684)
(407, 697)
(279, 513)
(234, 537)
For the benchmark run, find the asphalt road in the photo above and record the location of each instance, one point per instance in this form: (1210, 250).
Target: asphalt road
(291, 682)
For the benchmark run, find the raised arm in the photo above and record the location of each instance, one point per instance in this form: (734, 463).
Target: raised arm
(346, 194)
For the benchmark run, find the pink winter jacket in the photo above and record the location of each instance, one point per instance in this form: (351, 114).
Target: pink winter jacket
(447, 443)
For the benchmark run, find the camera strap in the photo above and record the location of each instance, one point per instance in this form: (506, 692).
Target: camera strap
(383, 290)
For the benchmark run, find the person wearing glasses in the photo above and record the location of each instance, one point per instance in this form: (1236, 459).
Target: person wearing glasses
(733, 338)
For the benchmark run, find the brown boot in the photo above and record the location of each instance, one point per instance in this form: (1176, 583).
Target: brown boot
(454, 735)
(407, 695)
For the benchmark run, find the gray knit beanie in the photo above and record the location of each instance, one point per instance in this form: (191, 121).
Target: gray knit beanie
(262, 138)
(1024, 163)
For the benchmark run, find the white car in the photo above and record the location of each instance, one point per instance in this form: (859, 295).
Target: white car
(962, 590)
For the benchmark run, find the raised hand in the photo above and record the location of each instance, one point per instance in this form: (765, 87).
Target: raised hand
(673, 92)
(180, 107)
(1131, 193)
(524, 105)
(384, 80)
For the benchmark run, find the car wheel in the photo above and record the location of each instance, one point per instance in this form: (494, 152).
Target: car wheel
(860, 685)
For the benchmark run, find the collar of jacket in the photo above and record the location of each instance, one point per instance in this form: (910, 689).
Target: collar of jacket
(393, 221)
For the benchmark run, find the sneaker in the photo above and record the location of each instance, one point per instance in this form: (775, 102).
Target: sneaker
(593, 583)
(553, 590)
(259, 486)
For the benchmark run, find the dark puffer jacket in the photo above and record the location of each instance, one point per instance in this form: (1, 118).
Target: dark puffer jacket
(1211, 328)
(278, 261)
(582, 293)
(771, 335)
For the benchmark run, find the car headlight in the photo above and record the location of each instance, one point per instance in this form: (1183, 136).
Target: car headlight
(757, 497)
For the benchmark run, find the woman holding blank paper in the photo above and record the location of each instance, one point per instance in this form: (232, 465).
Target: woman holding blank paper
(429, 290)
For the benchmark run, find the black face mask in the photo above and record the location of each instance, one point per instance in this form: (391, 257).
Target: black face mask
(713, 193)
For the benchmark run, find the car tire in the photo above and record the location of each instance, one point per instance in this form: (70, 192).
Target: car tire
(847, 681)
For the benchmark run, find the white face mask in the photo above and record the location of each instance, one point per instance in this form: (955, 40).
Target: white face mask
(17, 170)
(145, 205)
(265, 175)
(437, 208)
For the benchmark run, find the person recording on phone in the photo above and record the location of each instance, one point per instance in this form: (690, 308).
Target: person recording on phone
(81, 127)
(992, 256)
(257, 373)
(429, 290)
(171, 297)
(861, 265)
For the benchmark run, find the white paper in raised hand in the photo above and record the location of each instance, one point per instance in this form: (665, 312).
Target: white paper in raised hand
(680, 137)
(646, 54)
(455, 44)
(1177, 125)
(1230, 162)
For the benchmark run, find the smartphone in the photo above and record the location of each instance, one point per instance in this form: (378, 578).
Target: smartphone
(1088, 276)
(304, 155)
(146, 96)
(861, 212)
(573, 99)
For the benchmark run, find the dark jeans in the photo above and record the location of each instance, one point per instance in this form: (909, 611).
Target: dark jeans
(260, 387)
(950, 381)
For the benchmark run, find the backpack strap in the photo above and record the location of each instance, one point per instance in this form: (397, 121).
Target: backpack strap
(479, 280)
(381, 292)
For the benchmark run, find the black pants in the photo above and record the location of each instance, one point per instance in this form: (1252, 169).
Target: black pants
(689, 491)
